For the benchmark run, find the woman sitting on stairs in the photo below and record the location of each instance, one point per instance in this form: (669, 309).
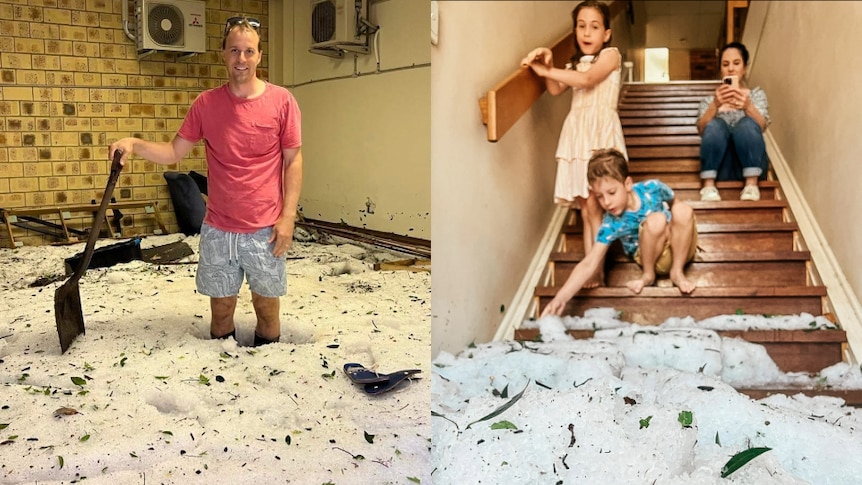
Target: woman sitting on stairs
(731, 125)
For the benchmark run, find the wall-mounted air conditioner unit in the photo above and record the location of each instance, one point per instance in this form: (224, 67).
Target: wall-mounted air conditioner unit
(170, 25)
(339, 26)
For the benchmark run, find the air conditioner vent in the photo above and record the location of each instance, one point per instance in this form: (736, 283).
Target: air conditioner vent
(165, 24)
(323, 22)
(170, 25)
(340, 26)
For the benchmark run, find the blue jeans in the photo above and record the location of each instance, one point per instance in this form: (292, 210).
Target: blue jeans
(732, 153)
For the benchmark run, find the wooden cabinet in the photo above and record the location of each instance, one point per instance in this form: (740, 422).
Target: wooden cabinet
(703, 64)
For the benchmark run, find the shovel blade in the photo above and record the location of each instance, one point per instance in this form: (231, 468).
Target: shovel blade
(68, 313)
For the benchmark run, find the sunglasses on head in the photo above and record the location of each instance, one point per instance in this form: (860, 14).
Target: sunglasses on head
(233, 21)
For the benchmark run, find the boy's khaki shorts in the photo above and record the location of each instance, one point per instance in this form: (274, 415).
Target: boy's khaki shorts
(665, 259)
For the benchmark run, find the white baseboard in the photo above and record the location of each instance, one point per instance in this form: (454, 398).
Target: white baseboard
(519, 305)
(844, 302)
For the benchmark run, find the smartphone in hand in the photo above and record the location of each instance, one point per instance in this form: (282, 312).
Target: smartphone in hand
(733, 81)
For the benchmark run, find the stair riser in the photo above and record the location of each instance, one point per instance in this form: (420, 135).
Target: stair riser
(651, 168)
(739, 216)
(653, 311)
(669, 178)
(710, 242)
(746, 242)
(760, 274)
(789, 354)
(663, 141)
(659, 121)
(652, 105)
(663, 152)
(660, 98)
(659, 131)
(636, 91)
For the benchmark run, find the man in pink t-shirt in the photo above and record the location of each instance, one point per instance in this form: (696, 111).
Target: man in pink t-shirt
(252, 133)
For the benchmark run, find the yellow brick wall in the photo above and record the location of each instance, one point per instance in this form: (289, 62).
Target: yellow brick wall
(71, 83)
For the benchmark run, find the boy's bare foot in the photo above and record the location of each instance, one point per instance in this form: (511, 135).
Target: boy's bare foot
(596, 281)
(685, 285)
(639, 284)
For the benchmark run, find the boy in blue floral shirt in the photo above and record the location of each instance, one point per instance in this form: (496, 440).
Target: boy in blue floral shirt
(654, 229)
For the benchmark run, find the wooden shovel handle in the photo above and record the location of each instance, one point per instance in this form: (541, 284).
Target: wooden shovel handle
(116, 167)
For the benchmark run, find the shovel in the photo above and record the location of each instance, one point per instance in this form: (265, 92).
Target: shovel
(67, 298)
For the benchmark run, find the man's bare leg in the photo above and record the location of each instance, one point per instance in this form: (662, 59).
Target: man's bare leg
(268, 322)
(652, 239)
(680, 243)
(221, 322)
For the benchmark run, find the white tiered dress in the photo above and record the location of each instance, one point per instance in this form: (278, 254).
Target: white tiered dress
(592, 123)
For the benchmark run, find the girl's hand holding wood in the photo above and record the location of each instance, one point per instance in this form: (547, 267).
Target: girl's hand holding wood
(540, 69)
(542, 55)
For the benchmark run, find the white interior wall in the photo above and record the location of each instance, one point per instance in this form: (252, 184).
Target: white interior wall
(366, 131)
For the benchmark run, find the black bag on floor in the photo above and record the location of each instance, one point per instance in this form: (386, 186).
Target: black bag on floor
(189, 206)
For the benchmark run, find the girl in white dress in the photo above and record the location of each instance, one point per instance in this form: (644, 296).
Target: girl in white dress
(592, 122)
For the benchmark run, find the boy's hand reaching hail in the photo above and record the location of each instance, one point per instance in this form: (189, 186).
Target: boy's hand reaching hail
(555, 307)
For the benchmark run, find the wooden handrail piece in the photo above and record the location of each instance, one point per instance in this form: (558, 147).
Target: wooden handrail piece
(512, 97)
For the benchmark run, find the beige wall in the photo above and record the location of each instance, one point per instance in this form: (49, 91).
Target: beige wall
(366, 133)
(806, 62)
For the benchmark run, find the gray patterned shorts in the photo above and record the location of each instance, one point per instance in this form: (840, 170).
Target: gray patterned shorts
(228, 257)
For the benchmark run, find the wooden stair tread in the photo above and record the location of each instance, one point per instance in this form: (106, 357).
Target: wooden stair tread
(699, 293)
(721, 228)
(704, 257)
(724, 184)
(791, 350)
(851, 397)
(757, 336)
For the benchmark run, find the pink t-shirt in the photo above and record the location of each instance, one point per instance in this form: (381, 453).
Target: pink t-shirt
(244, 139)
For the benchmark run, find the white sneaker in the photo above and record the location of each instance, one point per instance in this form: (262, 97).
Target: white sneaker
(709, 194)
(750, 192)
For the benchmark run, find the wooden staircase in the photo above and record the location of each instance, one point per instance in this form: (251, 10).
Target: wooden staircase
(751, 258)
